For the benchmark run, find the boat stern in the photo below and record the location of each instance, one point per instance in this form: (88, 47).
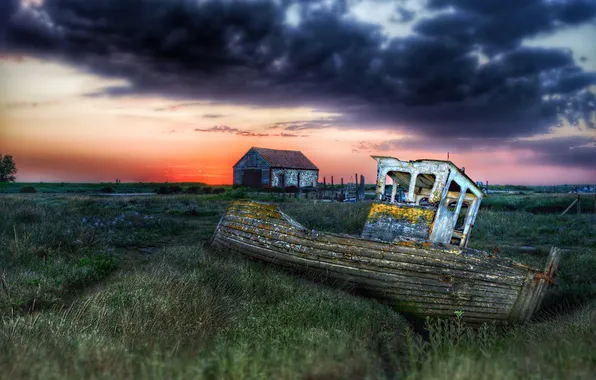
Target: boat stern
(534, 289)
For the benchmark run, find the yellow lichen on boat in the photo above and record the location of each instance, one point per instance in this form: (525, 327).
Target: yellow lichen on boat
(411, 214)
(256, 210)
(414, 244)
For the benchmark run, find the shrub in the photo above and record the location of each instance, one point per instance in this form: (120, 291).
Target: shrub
(173, 189)
(194, 190)
(107, 190)
(237, 193)
(273, 189)
(208, 190)
(218, 190)
(28, 189)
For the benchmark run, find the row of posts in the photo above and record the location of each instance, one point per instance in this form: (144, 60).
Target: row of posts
(578, 204)
(359, 187)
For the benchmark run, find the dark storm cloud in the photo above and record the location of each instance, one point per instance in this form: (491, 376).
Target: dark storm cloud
(499, 25)
(7, 10)
(453, 145)
(571, 80)
(244, 52)
(564, 155)
(577, 152)
(563, 151)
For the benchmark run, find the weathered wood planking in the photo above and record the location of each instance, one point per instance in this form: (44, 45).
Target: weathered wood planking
(422, 278)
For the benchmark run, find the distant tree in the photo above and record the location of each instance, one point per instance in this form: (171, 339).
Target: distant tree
(8, 169)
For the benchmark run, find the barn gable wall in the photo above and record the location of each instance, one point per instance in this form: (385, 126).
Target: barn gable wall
(243, 164)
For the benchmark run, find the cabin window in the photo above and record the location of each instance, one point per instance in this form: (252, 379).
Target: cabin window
(401, 182)
(470, 197)
(426, 181)
(454, 187)
(461, 218)
(452, 196)
(252, 160)
(424, 186)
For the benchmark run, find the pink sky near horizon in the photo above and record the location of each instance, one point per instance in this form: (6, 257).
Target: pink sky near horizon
(57, 134)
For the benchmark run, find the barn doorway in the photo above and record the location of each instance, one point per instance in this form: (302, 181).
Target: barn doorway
(252, 178)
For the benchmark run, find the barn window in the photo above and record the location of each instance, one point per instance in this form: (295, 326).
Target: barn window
(252, 160)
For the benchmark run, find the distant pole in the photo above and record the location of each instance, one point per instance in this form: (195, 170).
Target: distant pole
(579, 205)
(447, 156)
(361, 186)
(356, 178)
(332, 182)
(324, 182)
(342, 182)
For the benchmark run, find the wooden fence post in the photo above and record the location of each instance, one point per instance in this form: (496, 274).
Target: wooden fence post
(579, 205)
(361, 189)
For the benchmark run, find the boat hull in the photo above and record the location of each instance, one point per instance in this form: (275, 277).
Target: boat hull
(417, 277)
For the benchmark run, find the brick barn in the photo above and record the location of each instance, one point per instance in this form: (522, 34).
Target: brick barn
(262, 167)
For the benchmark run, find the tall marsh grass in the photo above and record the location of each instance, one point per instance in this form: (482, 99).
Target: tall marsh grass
(126, 288)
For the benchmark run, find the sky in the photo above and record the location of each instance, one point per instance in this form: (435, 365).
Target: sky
(179, 90)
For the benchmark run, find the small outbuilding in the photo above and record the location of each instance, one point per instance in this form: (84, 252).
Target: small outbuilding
(263, 167)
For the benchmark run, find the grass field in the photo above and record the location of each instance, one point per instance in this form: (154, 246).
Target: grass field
(125, 287)
(88, 188)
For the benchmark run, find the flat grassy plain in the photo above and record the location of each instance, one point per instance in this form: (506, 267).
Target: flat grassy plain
(86, 188)
(127, 287)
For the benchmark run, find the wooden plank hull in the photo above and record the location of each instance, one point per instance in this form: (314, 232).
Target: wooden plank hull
(421, 278)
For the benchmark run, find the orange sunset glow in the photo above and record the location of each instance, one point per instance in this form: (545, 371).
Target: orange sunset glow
(61, 121)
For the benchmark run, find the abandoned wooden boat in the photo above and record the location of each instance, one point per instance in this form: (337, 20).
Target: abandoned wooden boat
(412, 253)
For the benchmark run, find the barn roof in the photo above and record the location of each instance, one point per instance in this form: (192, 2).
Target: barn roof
(288, 159)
